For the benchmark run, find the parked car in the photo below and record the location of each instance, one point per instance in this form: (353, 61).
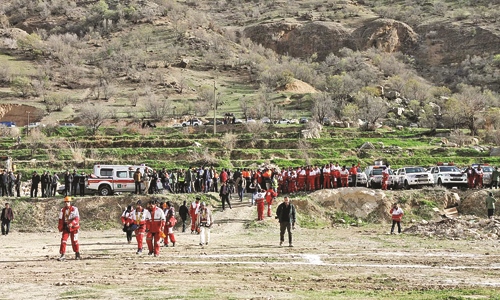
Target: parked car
(211, 122)
(8, 124)
(282, 121)
(35, 124)
(67, 125)
(294, 121)
(448, 176)
(415, 177)
(326, 121)
(177, 125)
(303, 120)
(361, 179)
(192, 122)
(266, 120)
(487, 171)
(374, 178)
(238, 121)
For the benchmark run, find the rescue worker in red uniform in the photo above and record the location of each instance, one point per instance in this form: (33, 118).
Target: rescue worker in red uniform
(270, 195)
(471, 176)
(128, 222)
(69, 225)
(344, 176)
(311, 179)
(170, 222)
(301, 179)
(326, 177)
(139, 219)
(155, 223)
(478, 180)
(259, 200)
(385, 178)
(193, 212)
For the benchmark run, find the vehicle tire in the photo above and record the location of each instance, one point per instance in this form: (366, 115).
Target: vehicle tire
(195, 124)
(105, 190)
(184, 125)
(440, 183)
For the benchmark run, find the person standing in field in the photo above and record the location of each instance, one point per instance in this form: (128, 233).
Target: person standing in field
(285, 213)
(155, 223)
(490, 205)
(69, 225)
(6, 218)
(204, 223)
(396, 214)
(193, 212)
(183, 213)
(139, 219)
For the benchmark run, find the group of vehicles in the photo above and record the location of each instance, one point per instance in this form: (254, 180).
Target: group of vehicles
(446, 175)
(198, 122)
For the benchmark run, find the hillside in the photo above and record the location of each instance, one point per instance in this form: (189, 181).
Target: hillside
(110, 65)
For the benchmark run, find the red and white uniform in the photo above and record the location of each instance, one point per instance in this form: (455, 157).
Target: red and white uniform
(270, 195)
(155, 223)
(259, 200)
(69, 225)
(396, 214)
(385, 178)
(127, 217)
(326, 177)
(335, 174)
(139, 218)
(193, 212)
(170, 222)
(344, 177)
(311, 180)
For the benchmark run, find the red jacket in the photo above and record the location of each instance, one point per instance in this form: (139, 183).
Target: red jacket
(69, 219)
(270, 194)
(397, 214)
(155, 220)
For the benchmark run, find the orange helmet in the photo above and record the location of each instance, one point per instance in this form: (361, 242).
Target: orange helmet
(67, 199)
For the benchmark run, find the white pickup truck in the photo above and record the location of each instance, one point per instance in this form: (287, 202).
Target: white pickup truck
(415, 177)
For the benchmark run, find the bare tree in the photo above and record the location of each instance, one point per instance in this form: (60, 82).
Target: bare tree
(158, 109)
(256, 129)
(322, 106)
(469, 105)
(94, 116)
(35, 141)
(371, 108)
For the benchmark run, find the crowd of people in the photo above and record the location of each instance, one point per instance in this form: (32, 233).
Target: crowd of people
(246, 180)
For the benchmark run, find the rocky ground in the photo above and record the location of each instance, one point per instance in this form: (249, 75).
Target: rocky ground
(244, 261)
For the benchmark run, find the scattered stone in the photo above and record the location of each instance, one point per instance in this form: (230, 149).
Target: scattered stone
(464, 227)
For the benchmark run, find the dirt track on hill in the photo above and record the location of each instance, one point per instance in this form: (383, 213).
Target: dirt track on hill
(244, 261)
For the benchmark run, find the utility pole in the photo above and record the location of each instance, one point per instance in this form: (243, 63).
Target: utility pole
(215, 109)
(28, 125)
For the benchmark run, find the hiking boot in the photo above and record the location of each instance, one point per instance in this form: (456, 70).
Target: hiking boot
(156, 255)
(139, 251)
(150, 253)
(281, 243)
(291, 245)
(77, 256)
(173, 244)
(62, 257)
(201, 244)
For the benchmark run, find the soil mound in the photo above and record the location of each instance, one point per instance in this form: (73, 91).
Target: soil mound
(465, 227)
(298, 86)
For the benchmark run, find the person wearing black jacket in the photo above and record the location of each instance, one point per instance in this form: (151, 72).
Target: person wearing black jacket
(81, 182)
(45, 183)
(183, 212)
(17, 183)
(3, 183)
(11, 180)
(74, 184)
(35, 180)
(68, 181)
(6, 217)
(285, 213)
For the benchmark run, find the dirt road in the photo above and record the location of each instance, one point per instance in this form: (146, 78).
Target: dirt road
(244, 261)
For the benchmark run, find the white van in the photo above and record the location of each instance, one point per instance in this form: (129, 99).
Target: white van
(110, 179)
